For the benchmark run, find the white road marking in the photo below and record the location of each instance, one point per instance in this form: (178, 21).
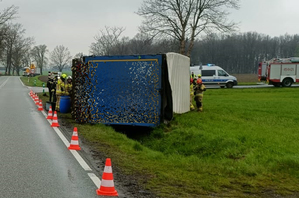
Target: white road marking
(95, 179)
(79, 159)
(2, 85)
(21, 82)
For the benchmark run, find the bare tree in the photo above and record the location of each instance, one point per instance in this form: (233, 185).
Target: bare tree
(8, 14)
(14, 33)
(140, 44)
(184, 20)
(26, 60)
(38, 54)
(5, 16)
(107, 40)
(20, 50)
(61, 57)
(79, 55)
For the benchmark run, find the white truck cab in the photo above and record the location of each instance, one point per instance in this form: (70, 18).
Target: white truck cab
(214, 75)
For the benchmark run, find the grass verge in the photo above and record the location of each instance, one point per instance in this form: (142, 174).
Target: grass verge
(32, 81)
(244, 144)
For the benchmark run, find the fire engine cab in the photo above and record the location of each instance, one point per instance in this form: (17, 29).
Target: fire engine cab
(283, 71)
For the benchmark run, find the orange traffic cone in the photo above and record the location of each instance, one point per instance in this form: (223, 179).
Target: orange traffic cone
(55, 120)
(107, 184)
(40, 107)
(36, 100)
(74, 145)
(50, 113)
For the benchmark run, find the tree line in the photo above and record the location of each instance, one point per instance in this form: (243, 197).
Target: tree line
(236, 53)
(241, 53)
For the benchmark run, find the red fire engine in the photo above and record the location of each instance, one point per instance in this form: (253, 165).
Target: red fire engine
(277, 72)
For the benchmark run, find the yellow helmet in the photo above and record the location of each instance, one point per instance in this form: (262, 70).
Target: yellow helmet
(63, 76)
(199, 75)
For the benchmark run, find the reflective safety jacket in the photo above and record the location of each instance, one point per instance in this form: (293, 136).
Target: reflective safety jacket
(59, 87)
(199, 89)
(191, 90)
(68, 88)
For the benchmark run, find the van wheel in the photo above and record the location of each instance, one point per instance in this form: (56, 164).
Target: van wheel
(229, 85)
(287, 82)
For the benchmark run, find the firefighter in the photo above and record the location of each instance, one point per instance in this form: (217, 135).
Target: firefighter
(69, 90)
(50, 85)
(193, 75)
(191, 94)
(198, 76)
(60, 88)
(198, 92)
(68, 86)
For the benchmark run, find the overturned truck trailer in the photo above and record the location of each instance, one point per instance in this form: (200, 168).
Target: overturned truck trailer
(125, 90)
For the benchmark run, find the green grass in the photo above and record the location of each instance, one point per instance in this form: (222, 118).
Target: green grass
(39, 83)
(32, 81)
(245, 143)
(248, 83)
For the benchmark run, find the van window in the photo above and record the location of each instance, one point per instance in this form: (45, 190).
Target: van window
(207, 72)
(222, 73)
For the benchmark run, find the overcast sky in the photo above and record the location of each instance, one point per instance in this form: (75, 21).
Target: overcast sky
(74, 23)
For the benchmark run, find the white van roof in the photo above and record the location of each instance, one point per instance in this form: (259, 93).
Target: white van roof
(205, 67)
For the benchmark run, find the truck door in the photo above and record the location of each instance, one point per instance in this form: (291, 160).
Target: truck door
(275, 72)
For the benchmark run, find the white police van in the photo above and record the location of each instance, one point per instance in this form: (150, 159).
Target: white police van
(214, 75)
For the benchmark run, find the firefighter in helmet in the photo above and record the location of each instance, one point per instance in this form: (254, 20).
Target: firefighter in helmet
(198, 92)
(60, 89)
(191, 94)
(68, 85)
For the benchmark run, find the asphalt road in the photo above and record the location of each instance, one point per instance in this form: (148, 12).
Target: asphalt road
(34, 161)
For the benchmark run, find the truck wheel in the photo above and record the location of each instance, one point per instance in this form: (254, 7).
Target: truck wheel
(287, 82)
(229, 85)
(276, 84)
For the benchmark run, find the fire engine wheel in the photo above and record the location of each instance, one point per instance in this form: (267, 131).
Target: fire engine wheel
(229, 85)
(287, 82)
(276, 84)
